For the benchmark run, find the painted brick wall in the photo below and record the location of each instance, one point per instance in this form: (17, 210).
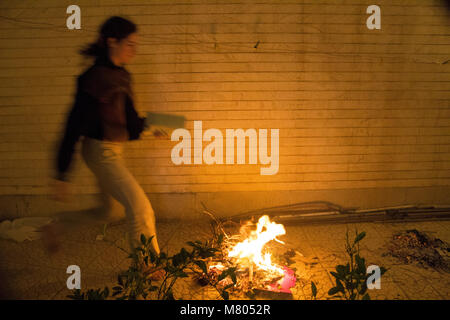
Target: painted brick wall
(357, 109)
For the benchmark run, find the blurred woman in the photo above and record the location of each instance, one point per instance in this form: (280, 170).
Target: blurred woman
(104, 115)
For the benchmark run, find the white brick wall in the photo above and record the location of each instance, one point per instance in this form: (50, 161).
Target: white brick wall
(356, 108)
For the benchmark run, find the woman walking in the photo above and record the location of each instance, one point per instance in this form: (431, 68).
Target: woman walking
(104, 114)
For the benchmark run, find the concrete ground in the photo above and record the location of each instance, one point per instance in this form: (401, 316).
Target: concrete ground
(27, 271)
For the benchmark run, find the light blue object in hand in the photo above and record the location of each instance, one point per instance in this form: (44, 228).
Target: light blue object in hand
(164, 120)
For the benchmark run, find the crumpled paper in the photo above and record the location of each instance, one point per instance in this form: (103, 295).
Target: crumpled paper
(23, 228)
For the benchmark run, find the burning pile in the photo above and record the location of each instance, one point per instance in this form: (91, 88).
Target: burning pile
(250, 251)
(255, 268)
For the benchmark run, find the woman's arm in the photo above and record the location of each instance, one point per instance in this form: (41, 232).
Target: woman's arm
(71, 136)
(135, 124)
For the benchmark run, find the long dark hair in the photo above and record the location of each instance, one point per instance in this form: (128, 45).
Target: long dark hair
(115, 27)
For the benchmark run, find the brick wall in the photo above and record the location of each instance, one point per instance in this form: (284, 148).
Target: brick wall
(364, 115)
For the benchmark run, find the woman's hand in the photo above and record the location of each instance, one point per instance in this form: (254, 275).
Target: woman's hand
(160, 134)
(61, 191)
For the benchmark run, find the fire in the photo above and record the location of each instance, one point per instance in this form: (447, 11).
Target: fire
(251, 249)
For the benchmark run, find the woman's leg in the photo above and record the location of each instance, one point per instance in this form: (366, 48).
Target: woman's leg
(105, 161)
(110, 210)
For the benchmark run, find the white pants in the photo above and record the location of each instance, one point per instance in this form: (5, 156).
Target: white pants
(118, 186)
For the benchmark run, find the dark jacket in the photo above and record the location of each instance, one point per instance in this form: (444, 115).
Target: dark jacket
(95, 87)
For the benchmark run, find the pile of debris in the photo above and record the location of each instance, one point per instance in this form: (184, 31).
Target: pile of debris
(258, 259)
(260, 284)
(413, 246)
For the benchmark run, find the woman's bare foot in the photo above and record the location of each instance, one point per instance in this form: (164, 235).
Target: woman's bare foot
(51, 237)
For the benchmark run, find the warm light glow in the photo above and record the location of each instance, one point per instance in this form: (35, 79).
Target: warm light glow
(251, 249)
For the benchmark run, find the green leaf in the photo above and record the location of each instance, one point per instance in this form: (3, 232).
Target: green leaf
(202, 265)
(207, 253)
(149, 240)
(184, 253)
(366, 297)
(313, 289)
(152, 256)
(340, 270)
(361, 264)
(225, 295)
(228, 286)
(115, 293)
(169, 295)
(347, 268)
(339, 286)
(336, 275)
(106, 292)
(181, 274)
(333, 291)
(233, 277)
(349, 285)
(163, 255)
(191, 244)
(170, 269)
(227, 272)
(363, 288)
(223, 275)
(143, 239)
(76, 295)
(359, 237)
(177, 260)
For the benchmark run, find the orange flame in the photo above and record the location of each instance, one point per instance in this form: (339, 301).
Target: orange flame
(252, 247)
